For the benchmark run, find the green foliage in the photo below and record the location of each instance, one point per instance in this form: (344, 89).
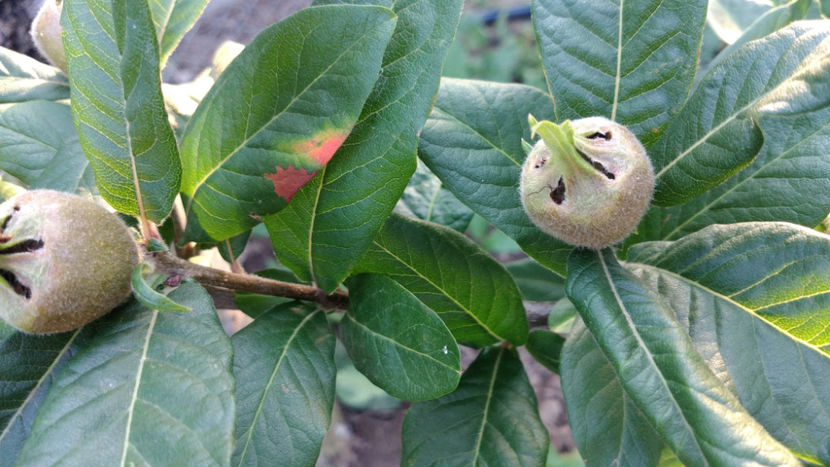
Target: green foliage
(704, 338)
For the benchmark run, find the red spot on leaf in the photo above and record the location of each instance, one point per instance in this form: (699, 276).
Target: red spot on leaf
(322, 146)
(288, 180)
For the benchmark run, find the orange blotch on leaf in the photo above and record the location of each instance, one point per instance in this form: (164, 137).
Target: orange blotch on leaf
(322, 146)
(288, 180)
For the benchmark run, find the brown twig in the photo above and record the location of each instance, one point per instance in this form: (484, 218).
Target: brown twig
(167, 263)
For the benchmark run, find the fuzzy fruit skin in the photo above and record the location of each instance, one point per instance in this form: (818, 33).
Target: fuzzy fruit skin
(46, 33)
(81, 271)
(597, 207)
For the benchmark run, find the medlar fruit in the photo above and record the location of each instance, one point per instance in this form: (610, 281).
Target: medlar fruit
(64, 261)
(46, 33)
(587, 182)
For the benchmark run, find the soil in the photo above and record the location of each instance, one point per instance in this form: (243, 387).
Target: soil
(357, 438)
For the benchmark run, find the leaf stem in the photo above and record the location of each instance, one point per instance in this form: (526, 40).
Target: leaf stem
(167, 263)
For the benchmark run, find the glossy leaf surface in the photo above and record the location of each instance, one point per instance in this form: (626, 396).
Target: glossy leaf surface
(660, 370)
(491, 419)
(754, 298)
(40, 147)
(278, 113)
(473, 143)
(397, 342)
(117, 105)
(284, 368)
(737, 107)
(470, 291)
(630, 61)
(143, 387)
(332, 220)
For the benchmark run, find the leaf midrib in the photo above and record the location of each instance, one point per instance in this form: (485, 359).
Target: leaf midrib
(444, 292)
(402, 346)
(633, 331)
(197, 186)
(37, 386)
(480, 435)
(134, 397)
(265, 390)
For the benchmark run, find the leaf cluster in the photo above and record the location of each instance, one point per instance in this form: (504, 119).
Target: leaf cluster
(702, 338)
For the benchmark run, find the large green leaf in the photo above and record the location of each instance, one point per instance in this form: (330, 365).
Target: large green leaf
(491, 419)
(23, 78)
(632, 62)
(536, 282)
(278, 113)
(755, 298)
(785, 182)
(772, 20)
(718, 133)
(660, 370)
(284, 368)
(730, 18)
(606, 424)
(473, 142)
(40, 147)
(172, 19)
(333, 219)
(474, 295)
(427, 198)
(144, 387)
(117, 105)
(28, 365)
(397, 342)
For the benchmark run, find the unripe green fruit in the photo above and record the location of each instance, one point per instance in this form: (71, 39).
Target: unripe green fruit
(46, 33)
(64, 261)
(586, 182)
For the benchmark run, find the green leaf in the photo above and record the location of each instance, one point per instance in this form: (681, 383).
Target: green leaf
(606, 424)
(473, 143)
(23, 79)
(491, 419)
(719, 132)
(28, 365)
(470, 291)
(546, 348)
(172, 19)
(755, 298)
(334, 218)
(772, 20)
(142, 387)
(660, 370)
(397, 342)
(284, 368)
(428, 199)
(632, 62)
(117, 105)
(40, 147)
(278, 113)
(730, 18)
(147, 295)
(536, 282)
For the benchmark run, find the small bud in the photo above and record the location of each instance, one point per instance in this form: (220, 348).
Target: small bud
(46, 33)
(586, 182)
(64, 261)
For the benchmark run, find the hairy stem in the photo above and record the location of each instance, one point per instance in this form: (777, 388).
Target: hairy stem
(167, 263)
